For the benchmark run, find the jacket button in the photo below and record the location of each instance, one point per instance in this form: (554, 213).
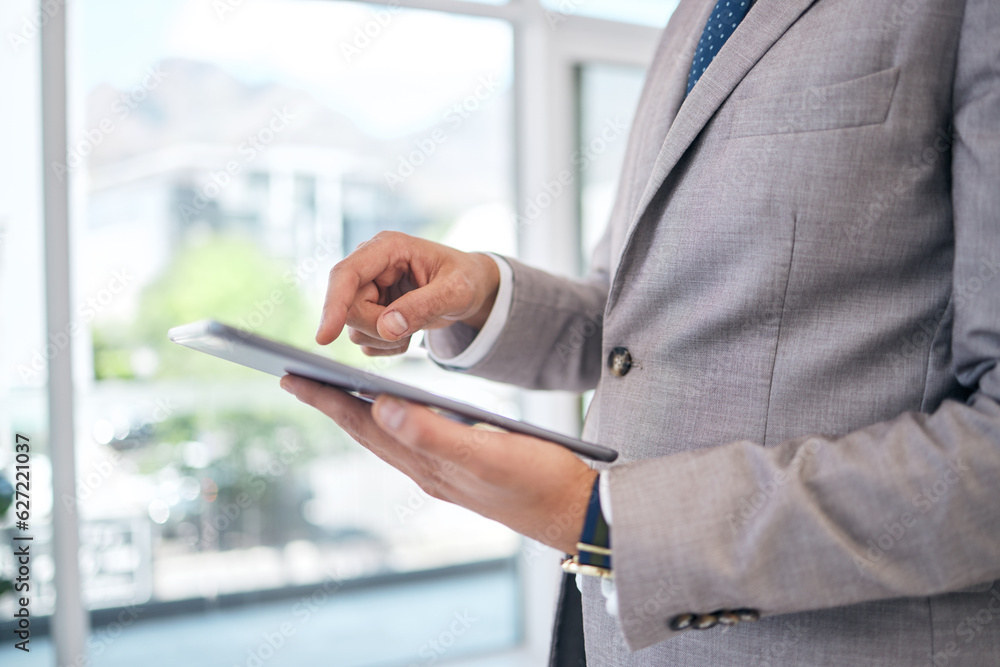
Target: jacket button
(681, 622)
(747, 615)
(619, 361)
(727, 617)
(705, 621)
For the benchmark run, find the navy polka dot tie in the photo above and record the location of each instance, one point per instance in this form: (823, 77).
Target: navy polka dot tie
(721, 24)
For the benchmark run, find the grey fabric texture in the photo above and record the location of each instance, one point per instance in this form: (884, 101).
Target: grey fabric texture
(804, 262)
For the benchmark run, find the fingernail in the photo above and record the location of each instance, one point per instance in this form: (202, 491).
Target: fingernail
(288, 385)
(395, 323)
(390, 413)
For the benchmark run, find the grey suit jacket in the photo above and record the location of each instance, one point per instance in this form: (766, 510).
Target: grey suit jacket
(804, 263)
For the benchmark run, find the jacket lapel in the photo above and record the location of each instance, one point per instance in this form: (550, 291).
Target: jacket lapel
(766, 22)
(663, 93)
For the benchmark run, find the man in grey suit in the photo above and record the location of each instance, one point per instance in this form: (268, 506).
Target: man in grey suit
(796, 332)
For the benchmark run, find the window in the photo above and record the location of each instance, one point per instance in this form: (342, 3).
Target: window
(608, 95)
(230, 175)
(243, 147)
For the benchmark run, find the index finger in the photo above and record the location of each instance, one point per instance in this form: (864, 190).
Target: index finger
(371, 260)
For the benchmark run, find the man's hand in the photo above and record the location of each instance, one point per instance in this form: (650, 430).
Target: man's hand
(534, 487)
(395, 285)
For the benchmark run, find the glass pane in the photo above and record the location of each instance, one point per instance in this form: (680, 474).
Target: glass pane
(231, 154)
(25, 349)
(644, 12)
(608, 95)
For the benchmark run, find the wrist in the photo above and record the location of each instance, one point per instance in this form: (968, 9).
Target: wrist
(488, 278)
(572, 519)
(593, 550)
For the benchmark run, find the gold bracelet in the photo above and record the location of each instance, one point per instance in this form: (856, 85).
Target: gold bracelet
(574, 566)
(593, 548)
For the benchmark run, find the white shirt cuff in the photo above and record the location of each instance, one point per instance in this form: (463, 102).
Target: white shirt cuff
(607, 585)
(489, 334)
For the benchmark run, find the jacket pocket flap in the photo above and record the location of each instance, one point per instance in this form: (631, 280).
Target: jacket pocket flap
(863, 101)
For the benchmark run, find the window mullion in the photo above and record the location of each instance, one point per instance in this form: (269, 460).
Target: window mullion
(70, 618)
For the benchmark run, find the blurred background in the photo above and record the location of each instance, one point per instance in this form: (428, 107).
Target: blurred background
(221, 156)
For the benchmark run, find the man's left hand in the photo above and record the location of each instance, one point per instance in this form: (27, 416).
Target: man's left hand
(534, 487)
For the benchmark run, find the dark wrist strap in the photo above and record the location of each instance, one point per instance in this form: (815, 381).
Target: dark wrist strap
(595, 540)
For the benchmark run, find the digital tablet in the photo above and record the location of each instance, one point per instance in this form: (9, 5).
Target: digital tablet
(249, 349)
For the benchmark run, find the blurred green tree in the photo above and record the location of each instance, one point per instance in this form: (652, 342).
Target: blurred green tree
(229, 279)
(259, 447)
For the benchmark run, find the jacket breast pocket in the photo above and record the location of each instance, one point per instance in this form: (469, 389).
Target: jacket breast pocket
(854, 103)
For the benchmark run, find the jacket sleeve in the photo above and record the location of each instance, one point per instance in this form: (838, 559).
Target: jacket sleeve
(552, 336)
(903, 508)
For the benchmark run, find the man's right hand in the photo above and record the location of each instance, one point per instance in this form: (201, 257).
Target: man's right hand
(394, 285)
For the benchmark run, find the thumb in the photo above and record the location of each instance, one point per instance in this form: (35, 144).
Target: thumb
(416, 309)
